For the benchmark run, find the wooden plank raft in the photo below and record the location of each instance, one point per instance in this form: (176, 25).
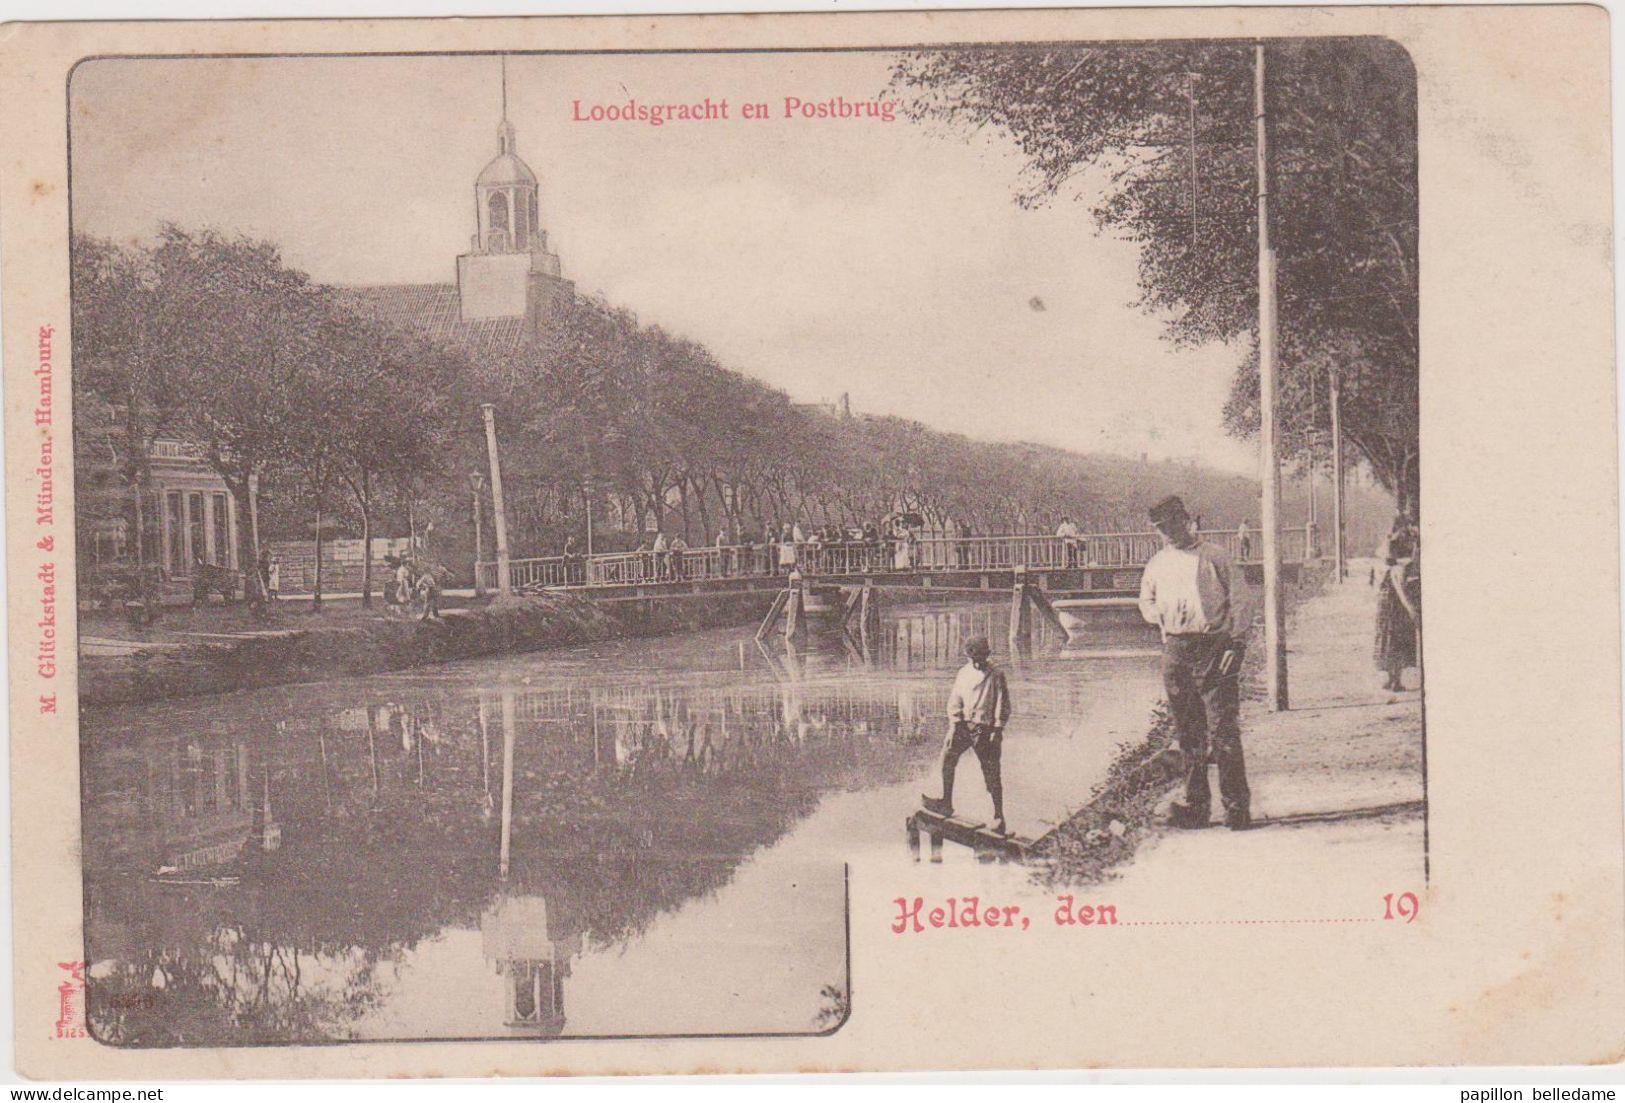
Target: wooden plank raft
(971, 833)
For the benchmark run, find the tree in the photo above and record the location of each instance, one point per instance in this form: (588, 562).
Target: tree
(100, 503)
(241, 335)
(388, 413)
(1165, 132)
(120, 358)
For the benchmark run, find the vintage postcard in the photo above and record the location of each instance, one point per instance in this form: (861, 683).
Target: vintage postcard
(826, 542)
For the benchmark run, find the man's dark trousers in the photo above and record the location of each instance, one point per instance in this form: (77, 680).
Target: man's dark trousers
(1204, 705)
(978, 737)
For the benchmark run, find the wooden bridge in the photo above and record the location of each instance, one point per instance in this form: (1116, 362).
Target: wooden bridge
(947, 562)
(1086, 576)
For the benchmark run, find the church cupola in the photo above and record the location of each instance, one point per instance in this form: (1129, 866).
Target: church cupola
(505, 194)
(508, 271)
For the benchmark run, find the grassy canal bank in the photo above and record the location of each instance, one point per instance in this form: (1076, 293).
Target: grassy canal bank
(352, 642)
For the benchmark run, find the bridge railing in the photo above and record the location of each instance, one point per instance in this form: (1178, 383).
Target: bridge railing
(846, 558)
(935, 553)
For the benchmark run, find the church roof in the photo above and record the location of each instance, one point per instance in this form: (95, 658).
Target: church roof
(434, 310)
(506, 168)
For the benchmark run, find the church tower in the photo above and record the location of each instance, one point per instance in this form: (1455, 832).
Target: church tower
(508, 271)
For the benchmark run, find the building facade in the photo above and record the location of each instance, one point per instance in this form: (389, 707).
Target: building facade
(189, 512)
(185, 515)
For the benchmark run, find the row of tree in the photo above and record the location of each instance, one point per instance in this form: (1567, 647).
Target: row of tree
(654, 426)
(343, 421)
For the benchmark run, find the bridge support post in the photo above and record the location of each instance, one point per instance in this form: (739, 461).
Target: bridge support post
(779, 602)
(850, 604)
(1021, 620)
(868, 615)
(1042, 603)
(795, 626)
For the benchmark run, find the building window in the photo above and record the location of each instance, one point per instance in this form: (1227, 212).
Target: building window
(152, 528)
(195, 532)
(521, 224)
(499, 212)
(222, 531)
(174, 533)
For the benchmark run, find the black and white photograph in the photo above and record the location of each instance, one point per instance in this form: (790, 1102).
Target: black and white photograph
(879, 543)
(515, 582)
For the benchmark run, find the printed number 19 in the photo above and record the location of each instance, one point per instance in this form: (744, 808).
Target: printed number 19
(1404, 906)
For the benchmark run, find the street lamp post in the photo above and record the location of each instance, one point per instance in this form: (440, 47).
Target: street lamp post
(476, 483)
(586, 496)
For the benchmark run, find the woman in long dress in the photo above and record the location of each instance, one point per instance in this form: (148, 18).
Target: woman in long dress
(1398, 605)
(905, 550)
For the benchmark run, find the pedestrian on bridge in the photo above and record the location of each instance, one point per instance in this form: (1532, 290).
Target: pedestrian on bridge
(1193, 592)
(662, 564)
(787, 548)
(575, 564)
(904, 557)
(1068, 533)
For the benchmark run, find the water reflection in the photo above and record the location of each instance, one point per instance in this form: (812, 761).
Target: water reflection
(578, 843)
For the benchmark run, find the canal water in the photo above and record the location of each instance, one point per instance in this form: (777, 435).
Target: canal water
(643, 837)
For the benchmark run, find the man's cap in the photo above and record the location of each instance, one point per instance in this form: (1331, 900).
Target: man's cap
(1167, 509)
(977, 647)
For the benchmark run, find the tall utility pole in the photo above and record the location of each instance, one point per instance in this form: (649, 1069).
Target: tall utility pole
(1337, 471)
(1274, 611)
(1311, 531)
(499, 513)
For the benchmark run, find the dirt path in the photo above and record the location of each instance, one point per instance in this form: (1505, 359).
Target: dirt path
(1337, 788)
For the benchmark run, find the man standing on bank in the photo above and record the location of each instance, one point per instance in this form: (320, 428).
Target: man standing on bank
(978, 709)
(1193, 592)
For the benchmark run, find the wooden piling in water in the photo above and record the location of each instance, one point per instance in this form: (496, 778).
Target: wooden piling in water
(1021, 624)
(795, 626)
(868, 615)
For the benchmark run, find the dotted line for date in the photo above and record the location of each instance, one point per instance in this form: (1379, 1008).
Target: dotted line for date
(1234, 922)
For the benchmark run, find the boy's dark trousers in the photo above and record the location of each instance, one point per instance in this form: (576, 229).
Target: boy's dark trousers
(966, 736)
(1204, 704)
